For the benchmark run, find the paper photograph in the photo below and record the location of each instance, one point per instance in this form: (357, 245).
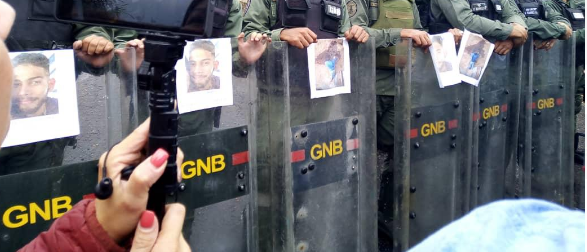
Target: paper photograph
(329, 68)
(474, 55)
(204, 75)
(444, 57)
(43, 99)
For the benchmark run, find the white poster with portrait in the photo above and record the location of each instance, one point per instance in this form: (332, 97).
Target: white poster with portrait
(204, 75)
(444, 56)
(44, 99)
(474, 56)
(329, 68)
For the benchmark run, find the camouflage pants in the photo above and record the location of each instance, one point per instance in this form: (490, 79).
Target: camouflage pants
(385, 122)
(580, 89)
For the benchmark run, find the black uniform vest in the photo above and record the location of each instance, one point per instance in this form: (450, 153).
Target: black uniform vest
(36, 29)
(323, 17)
(532, 8)
(221, 13)
(490, 9)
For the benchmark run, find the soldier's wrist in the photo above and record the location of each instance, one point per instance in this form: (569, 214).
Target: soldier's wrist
(276, 34)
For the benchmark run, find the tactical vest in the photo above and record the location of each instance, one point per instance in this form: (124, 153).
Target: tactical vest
(532, 8)
(575, 16)
(221, 13)
(36, 29)
(323, 17)
(392, 14)
(490, 9)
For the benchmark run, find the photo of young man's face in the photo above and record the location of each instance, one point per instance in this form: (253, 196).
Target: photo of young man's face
(31, 85)
(201, 65)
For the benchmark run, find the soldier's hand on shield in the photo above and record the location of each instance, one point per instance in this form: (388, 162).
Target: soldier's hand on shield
(357, 33)
(7, 16)
(251, 50)
(126, 59)
(568, 31)
(503, 47)
(458, 34)
(298, 37)
(519, 34)
(120, 213)
(148, 238)
(94, 45)
(544, 44)
(419, 38)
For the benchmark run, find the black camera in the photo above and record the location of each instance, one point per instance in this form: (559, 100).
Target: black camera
(192, 18)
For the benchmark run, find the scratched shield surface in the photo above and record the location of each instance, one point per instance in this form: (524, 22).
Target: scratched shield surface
(428, 185)
(550, 172)
(219, 170)
(495, 129)
(316, 157)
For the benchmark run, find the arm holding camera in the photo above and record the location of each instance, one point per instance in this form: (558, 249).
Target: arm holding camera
(107, 225)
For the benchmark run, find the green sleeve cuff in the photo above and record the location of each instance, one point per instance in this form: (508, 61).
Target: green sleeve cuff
(507, 30)
(275, 34)
(561, 29)
(395, 36)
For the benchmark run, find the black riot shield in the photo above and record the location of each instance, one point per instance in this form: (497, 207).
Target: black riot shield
(522, 179)
(41, 181)
(433, 149)
(495, 128)
(549, 174)
(316, 157)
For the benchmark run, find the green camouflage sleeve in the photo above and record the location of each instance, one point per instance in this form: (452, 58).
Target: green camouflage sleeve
(258, 18)
(554, 13)
(234, 24)
(511, 13)
(233, 29)
(580, 36)
(345, 23)
(577, 4)
(358, 14)
(544, 29)
(549, 28)
(459, 14)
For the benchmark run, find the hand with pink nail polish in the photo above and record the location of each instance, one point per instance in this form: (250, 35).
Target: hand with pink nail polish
(148, 238)
(120, 214)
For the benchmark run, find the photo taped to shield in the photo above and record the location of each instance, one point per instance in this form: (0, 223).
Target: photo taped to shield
(43, 93)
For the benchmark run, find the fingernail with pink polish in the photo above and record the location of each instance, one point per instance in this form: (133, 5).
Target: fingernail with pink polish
(147, 219)
(159, 157)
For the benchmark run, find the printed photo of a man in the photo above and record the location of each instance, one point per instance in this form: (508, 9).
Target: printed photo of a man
(442, 63)
(201, 64)
(31, 86)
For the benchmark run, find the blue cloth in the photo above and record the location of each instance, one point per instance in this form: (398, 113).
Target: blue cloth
(474, 57)
(331, 64)
(511, 225)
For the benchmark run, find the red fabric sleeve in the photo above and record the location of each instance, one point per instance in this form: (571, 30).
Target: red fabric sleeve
(77, 230)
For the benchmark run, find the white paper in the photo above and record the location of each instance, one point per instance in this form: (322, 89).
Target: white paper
(444, 56)
(474, 54)
(329, 68)
(204, 80)
(578, 15)
(44, 106)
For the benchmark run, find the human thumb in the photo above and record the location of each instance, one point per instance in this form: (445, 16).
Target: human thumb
(146, 233)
